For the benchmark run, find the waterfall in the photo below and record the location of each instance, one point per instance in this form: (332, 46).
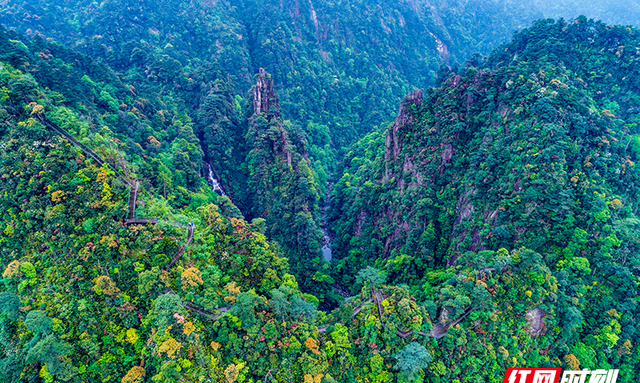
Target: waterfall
(326, 239)
(215, 185)
(326, 248)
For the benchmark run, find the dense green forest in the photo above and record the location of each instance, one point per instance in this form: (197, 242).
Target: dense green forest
(524, 161)
(170, 171)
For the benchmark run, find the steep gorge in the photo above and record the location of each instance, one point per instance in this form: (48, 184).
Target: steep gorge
(492, 224)
(525, 154)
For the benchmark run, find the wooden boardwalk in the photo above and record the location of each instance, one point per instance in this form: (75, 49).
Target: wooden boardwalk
(131, 219)
(438, 331)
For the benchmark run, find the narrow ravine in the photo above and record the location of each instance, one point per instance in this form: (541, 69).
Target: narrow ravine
(327, 241)
(324, 225)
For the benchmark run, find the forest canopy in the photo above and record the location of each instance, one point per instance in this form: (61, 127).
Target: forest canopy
(336, 192)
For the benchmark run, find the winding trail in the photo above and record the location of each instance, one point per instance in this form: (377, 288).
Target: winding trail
(134, 187)
(133, 196)
(438, 331)
(85, 149)
(178, 256)
(199, 309)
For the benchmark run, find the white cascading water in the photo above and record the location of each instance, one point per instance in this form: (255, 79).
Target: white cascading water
(326, 248)
(215, 185)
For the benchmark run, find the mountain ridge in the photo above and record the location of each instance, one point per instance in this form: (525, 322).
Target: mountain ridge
(492, 225)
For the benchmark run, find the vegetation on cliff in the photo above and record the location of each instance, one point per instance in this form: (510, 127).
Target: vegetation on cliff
(160, 192)
(529, 159)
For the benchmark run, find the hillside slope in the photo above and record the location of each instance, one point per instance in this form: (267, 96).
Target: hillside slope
(345, 65)
(535, 148)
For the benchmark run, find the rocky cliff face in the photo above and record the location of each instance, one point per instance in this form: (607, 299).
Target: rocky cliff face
(393, 141)
(281, 186)
(266, 105)
(265, 101)
(508, 157)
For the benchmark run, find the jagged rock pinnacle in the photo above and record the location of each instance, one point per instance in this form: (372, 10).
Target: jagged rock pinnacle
(265, 99)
